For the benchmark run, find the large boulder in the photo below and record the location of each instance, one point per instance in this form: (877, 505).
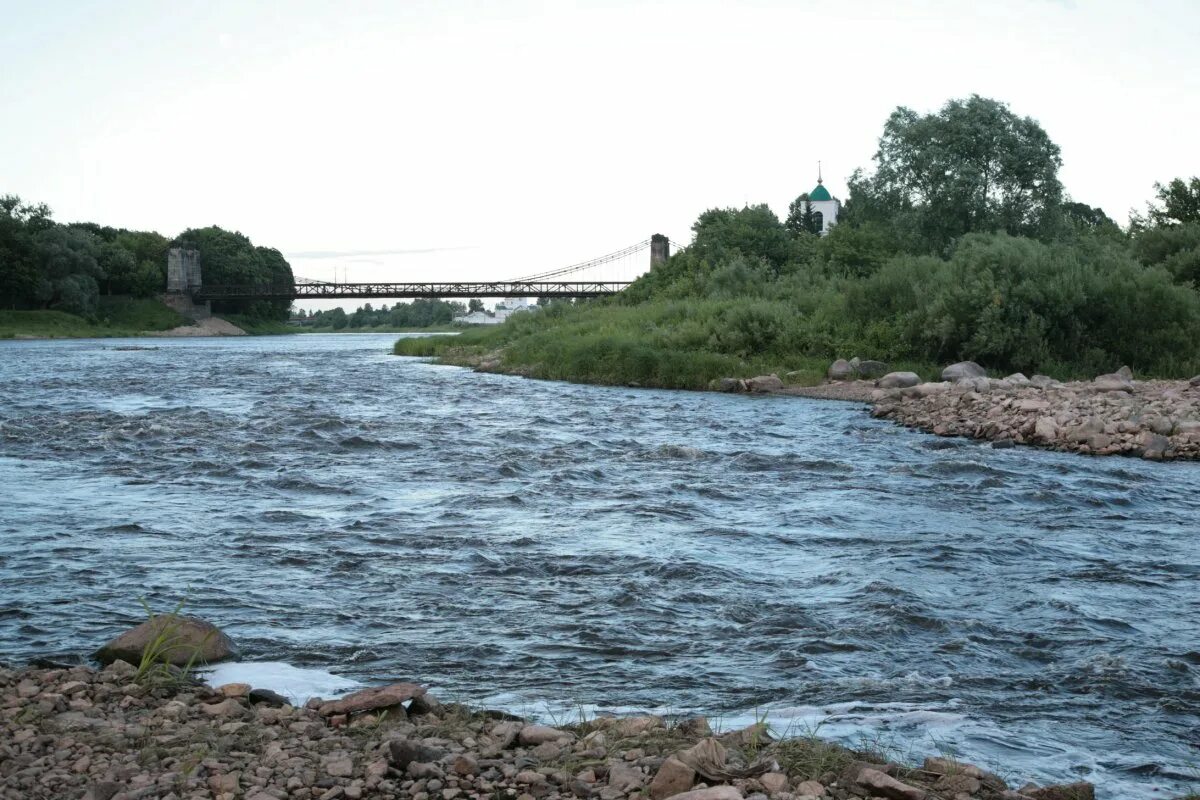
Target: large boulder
(1112, 382)
(179, 641)
(870, 369)
(929, 389)
(764, 383)
(963, 369)
(840, 370)
(898, 380)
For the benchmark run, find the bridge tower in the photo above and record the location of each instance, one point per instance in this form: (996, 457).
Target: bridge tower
(183, 270)
(660, 250)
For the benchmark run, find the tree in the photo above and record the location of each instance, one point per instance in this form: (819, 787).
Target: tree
(68, 260)
(973, 166)
(801, 218)
(473, 305)
(230, 258)
(1178, 203)
(753, 231)
(19, 268)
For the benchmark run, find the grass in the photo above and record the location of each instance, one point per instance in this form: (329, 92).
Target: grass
(157, 662)
(675, 344)
(257, 326)
(115, 316)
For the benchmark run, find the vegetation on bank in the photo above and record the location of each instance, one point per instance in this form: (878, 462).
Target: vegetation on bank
(417, 315)
(113, 316)
(51, 266)
(959, 244)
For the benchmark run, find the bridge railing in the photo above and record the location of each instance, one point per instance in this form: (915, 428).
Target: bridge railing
(318, 290)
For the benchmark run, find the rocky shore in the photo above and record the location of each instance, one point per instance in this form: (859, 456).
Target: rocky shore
(1114, 414)
(77, 732)
(1111, 415)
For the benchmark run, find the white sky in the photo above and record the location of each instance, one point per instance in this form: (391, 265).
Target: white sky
(523, 136)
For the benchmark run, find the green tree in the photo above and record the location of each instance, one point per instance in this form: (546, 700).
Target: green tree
(69, 269)
(474, 305)
(753, 231)
(973, 166)
(19, 267)
(1177, 203)
(800, 218)
(230, 258)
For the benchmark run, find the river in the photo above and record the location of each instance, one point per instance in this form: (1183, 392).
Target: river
(532, 544)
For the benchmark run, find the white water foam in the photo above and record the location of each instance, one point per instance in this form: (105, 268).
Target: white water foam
(298, 684)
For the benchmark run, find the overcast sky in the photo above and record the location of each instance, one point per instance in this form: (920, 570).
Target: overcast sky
(423, 140)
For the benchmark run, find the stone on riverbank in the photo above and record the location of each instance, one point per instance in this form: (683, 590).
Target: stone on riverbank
(1113, 382)
(898, 380)
(855, 369)
(180, 640)
(963, 369)
(373, 698)
(764, 383)
(840, 370)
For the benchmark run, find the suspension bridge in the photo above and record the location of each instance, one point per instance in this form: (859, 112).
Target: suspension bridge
(574, 281)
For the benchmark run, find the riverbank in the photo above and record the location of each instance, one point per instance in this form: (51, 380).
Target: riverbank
(114, 317)
(1112, 414)
(112, 735)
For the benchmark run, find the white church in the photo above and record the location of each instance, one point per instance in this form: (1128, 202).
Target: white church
(824, 205)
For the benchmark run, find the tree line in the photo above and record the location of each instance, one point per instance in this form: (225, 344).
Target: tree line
(420, 313)
(45, 264)
(957, 242)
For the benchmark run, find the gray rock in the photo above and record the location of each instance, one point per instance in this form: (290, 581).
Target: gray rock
(1043, 382)
(764, 383)
(1126, 373)
(1112, 382)
(963, 369)
(870, 369)
(1153, 445)
(840, 370)
(402, 752)
(928, 389)
(267, 697)
(726, 385)
(540, 734)
(1194, 381)
(898, 380)
(1045, 429)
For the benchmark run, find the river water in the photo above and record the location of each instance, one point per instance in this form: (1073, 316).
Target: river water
(531, 544)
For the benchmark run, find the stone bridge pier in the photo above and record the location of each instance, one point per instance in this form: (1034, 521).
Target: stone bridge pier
(183, 278)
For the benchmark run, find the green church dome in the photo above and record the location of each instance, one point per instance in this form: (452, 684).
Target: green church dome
(819, 193)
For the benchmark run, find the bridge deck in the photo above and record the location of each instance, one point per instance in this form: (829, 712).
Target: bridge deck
(332, 291)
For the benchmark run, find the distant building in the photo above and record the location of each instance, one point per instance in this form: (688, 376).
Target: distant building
(824, 205)
(506, 307)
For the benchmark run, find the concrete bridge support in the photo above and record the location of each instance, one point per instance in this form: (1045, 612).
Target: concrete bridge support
(660, 250)
(184, 278)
